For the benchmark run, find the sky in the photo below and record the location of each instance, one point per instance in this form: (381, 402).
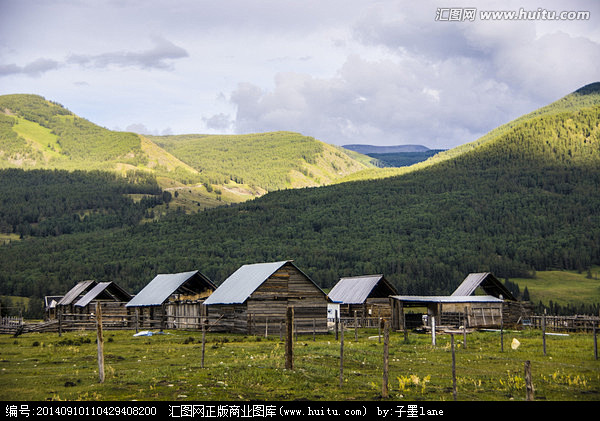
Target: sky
(383, 72)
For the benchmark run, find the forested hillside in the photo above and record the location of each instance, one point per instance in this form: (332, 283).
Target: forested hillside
(200, 171)
(263, 161)
(526, 200)
(49, 203)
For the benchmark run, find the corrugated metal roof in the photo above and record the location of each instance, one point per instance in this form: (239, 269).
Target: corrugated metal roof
(470, 284)
(112, 289)
(448, 299)
(487, 281)
(75, 292)
(243, 282)
(160, 289)
(354, 290)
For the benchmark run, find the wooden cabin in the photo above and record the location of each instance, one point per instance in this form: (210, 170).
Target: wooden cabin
(111, 297)
(172, 300)
(366, 296)
(481, 300)
(255, 299)
(65, 306)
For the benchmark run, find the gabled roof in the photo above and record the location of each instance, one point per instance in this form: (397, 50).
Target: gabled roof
(356, 289)
(75, 292)
(104, 290)
(164, 285)
(488, 282)
(243, 282)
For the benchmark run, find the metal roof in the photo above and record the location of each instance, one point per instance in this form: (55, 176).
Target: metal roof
(487, 282)
(104, 289)
(162, 286)
(447, 299)
(356, 289)
(75, 292)
(243, 282)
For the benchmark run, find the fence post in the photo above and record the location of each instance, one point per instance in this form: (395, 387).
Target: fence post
(528, 383)
(386, 359)
(453, 366)
(59, 322)
(289, 347)
(544, 331)
(355, 327)
(204, 322)
(337, 325)
(595, 344)
(501, 332)
(433, 330)
(342, 354)
(100, 342)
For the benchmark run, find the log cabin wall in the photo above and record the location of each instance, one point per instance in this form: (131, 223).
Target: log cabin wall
(264, 311)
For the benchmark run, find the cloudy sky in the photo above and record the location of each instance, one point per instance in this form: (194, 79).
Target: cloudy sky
(343, 71)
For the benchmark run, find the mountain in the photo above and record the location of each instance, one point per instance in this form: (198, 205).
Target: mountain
(263, 161)
(584, 97)
(369, 149)
(526, 198)
(394, 156)
(200, 171)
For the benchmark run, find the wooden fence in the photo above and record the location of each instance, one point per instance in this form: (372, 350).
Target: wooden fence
(72, 322)
(564, 323)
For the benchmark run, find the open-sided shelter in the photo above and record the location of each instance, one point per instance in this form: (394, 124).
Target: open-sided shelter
(495, 306)
(367, 295)
(172, 300)
(255, 299)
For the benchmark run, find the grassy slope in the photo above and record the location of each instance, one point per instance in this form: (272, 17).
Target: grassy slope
(264, 161)
(206, 170)
(563, 287)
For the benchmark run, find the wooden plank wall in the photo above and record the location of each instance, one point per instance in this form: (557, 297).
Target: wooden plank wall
(265, 309)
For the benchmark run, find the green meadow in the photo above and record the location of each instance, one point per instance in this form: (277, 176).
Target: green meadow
(168, 366)
(563, 288)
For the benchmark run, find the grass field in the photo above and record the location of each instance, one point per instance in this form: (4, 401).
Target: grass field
(167, 367)
(563, 287)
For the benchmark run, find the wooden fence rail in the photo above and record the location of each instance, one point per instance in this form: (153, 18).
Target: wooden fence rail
(564, 323)
(72, 321)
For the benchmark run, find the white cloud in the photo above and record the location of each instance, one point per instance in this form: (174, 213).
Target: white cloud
(344, 71)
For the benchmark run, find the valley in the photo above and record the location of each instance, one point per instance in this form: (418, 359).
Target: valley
(522, 200)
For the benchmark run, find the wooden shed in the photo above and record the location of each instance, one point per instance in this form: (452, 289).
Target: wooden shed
(475, 310)
(66, 305)
(172, 300)
(366, 296)
(255, 299)
(481, 300)
(111, 297)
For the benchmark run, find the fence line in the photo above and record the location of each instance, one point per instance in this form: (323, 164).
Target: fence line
(273, 326)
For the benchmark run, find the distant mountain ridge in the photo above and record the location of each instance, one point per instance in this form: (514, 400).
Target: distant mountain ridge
(368, 149)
